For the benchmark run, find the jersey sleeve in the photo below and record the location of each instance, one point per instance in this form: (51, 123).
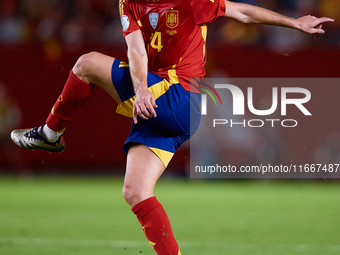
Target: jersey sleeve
(206, 11)
(127, 18)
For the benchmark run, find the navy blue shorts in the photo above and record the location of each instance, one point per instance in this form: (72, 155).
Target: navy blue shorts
(178, 113)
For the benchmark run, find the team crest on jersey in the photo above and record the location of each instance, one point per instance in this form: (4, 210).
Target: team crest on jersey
(172, 18)
(153, 17)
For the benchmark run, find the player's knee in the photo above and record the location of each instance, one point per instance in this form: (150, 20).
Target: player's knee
(129, 194)
(132, 195)
(84, 65)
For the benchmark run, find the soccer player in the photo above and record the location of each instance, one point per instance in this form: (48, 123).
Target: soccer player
(166, 42)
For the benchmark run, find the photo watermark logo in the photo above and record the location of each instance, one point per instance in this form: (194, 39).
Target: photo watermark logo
(238, 106)
(266, 128)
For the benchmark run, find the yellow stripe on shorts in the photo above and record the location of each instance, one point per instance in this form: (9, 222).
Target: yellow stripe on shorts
(123, 64)
(164, 156)
(126, 108)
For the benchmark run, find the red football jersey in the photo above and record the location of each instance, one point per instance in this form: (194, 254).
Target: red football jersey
(174, 32)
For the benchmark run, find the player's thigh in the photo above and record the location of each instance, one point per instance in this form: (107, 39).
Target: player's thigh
(95, 68)
(143, 169)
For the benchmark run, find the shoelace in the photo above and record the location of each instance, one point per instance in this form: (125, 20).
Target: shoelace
(34, 133)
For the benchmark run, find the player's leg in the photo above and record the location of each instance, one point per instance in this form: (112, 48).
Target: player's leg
(95, 68)
(142, 171)
(91, 69)
(143, 168)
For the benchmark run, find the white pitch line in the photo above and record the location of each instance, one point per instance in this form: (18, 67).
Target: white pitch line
(131, 244)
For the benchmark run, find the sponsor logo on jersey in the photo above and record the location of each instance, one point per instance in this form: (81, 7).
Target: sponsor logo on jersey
(153, 17)
(125, 22)
(172, 18)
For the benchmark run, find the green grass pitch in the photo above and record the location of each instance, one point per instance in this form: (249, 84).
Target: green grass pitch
(88, 216)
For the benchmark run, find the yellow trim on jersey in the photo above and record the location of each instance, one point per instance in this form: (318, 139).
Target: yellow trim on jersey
(164, 156)
(121, 8)
(126, 108)
(179, 252)
(139, 23)
(204, 35)
(173, 76)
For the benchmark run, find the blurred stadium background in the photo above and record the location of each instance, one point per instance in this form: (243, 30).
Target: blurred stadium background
(40, 40)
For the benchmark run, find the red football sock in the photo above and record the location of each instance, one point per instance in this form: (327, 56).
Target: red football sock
(156, 226)
(74, 95)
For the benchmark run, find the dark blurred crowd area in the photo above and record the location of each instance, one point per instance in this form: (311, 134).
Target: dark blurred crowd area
(47, 36)
(74, 23)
